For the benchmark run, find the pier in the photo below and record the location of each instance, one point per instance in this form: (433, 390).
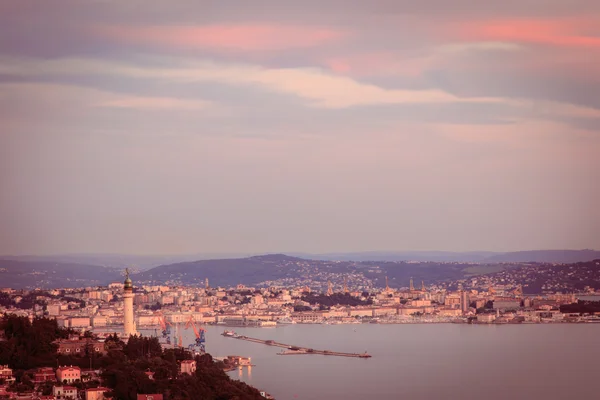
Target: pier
(297, 349)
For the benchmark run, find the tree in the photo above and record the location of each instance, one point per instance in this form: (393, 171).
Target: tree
(29, 345)
(302, 308)
(89, 335)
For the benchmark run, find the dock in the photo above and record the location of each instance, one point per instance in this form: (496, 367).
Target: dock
(297, 349)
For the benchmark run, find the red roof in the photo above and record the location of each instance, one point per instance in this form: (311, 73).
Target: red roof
(66, 387)
(149, 397)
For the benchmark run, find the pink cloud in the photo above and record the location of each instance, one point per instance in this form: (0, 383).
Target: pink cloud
(230, 37)
(567, 33)
(382, 63)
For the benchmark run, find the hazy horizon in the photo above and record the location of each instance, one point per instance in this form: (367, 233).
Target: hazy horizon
(260, 253)
(174, 128)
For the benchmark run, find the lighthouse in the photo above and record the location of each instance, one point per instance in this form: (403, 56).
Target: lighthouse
(129, 324)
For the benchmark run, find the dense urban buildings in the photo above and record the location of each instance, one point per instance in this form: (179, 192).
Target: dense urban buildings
(496, 298)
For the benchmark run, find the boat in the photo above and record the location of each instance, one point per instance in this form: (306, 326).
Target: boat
(229, 333)
(291, 352)
(285, 321)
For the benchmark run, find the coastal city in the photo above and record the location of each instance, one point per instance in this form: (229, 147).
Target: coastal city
(99, 308)
(93, 314)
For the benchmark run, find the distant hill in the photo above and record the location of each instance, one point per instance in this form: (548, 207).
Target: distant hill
(261, 270)
(48, 275)
(399, 267)
(550, 256)
(437, 256)
(225, 272)
(122, 261)
(545, 256)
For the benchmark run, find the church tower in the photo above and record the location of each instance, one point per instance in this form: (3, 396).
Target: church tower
(129, 323)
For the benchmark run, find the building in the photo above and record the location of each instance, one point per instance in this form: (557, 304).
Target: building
(44, 374)
(96, 393)
(188, 367)
(307, 316)
(80, 347)
(238, 360)
(99, 320)
(128, 320)
(506, 303)
(149, 397)
(53, 310)
(64, 392)
(486, 318)
(452, 300)
(6, 374)
(464, 301)
(68, 374)
(79, 322)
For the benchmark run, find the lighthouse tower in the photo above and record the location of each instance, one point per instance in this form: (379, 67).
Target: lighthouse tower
(129, 324)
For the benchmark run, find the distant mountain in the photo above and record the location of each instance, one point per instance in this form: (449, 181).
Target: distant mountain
(49, 275)
(280, 269)
(550, 256)
(122, 261)
(436, 256)
(223, 272)
(545, 256)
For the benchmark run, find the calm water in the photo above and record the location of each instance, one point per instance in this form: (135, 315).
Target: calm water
(590, 298)
(426, 361)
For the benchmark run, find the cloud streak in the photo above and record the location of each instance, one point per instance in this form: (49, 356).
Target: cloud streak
(320, 88)
(554, 32)
(376, 122)
(254, 37)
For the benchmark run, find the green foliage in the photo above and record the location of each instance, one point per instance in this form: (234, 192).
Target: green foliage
(126, 377)
(299, 308)
(153, 307)
(582, 307)
(344, 299)
(138, 346)
(29, 344)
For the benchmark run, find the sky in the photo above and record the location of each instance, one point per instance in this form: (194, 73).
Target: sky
(177, 127)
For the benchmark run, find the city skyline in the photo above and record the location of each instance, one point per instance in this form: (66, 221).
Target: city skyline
(193, 127)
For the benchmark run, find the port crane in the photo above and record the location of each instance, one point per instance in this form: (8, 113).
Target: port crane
(166, 327)
(200, 337)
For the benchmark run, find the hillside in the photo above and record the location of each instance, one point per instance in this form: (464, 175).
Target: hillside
(546, 256)
(282, 270)
(223, 272)
(120, 261)
(420, 256)
(47, 275)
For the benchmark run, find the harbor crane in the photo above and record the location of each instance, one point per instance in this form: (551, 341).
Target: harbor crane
(166, 327)
(200, 337)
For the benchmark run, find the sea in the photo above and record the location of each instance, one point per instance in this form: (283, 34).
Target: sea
(420, 361)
